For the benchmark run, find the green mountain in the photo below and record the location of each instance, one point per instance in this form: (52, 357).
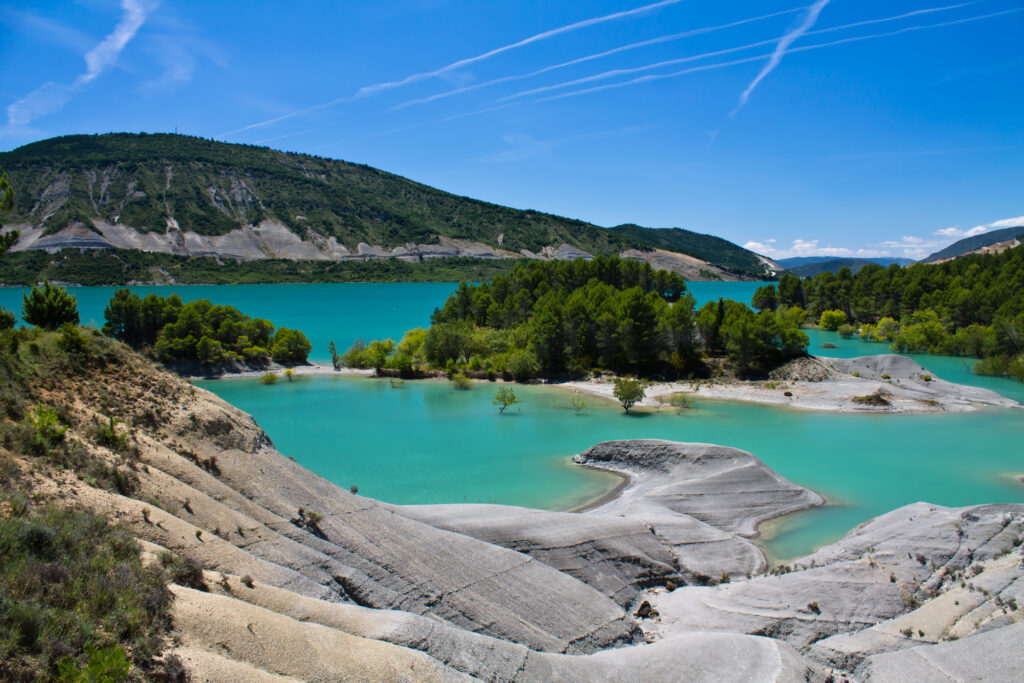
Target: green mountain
(194, 197)
(809, 266)
(970, 244)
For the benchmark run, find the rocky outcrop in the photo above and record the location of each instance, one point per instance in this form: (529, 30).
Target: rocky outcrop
(920, 574)
(345, 587)
(726, 488)
(987, 656)
(905, 382)
(618, 556)
(689, 267)
(268, 239)
(360, 550)
(685, 517)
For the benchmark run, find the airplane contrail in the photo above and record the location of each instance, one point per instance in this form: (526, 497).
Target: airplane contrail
(780, 51)
(380, 87)
(717, 53)
(747, 60)
(598, 55)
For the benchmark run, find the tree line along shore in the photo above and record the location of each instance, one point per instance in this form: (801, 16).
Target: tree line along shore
(569, 319)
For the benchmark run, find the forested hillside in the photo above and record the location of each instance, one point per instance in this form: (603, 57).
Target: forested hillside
(970, 306)
(162, 184)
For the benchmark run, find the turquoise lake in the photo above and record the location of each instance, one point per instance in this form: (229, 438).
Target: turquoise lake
(426, 443)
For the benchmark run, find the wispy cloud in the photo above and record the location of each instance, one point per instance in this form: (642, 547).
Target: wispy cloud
(104, 55)
(462, 63)
(454, 66)
(51, 96)
(524, 146)
(50, 30)
(780, 51)
(599, 55)
(809, 20)
(282, 137)
(960, 233)
(720, 65)
(1006, 223)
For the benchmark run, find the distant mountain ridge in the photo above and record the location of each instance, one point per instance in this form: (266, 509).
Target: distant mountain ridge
(970, 244)
(194, 197)
(809, 266)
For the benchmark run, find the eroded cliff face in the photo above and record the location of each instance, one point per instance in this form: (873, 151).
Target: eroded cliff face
(272, 239)
(347, 587)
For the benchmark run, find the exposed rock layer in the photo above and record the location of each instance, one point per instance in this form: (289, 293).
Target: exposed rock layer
(347, 587)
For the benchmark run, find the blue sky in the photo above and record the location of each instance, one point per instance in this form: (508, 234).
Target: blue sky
(797, 128)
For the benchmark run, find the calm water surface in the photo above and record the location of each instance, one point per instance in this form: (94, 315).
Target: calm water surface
(426, 443)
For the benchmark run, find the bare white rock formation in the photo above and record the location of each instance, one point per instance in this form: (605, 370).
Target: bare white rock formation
(307, 581)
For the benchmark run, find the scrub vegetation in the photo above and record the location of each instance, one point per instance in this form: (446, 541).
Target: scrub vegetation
(76, 601)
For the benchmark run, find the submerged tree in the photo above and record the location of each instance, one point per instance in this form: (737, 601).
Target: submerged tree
(629, 392)
(505, 397)
(577, 403)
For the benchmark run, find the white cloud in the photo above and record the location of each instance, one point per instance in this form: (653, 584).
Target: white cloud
(955, 232)
(50, 97)
(920, 247)
(1007, 223)
(802, 247)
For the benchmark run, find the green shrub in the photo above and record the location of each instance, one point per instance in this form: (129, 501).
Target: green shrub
(49, 307)
(879, 399)
(681, 401)
(7, 319)
(44, 430)
(71, 339)
(290, 346)
(268, 378)
(831, 320)
(461, 382)
(183, 570)
(109, 665)
(846, 331)
(107, 435)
